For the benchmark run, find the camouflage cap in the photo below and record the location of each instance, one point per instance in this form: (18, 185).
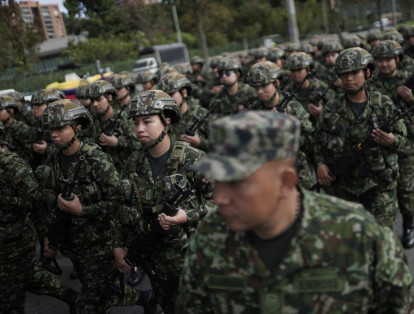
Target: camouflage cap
(8, 101)
(3, 140)
(242, 143)
(373, 35)
(263, 73)
(394, 35)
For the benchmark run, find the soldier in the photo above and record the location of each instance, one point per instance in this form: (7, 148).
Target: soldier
(180, 89)
(147, 79)
(82, 94)
(271, 249)
(18, 269)
(152, 171)
(390, 81)
(125, 88)
(373, 38)
(25, 113)
(348, 120)
(330, 52)
(83, 230)
(113, 132)
(409, 41)
(264, 77)
(235, 95)
(405, 63)
(300, 64)
(17, 132)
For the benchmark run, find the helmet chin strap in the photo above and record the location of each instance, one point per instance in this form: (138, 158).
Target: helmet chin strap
(106, 110)
(356, 91)
(70, 143)
(153, 143)
(270, 100)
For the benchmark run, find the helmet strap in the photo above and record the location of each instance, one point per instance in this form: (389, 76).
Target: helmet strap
(106, 110)
(153, 143)
(356, 91)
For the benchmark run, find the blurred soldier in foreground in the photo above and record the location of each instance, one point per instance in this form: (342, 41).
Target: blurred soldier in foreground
(270, 248)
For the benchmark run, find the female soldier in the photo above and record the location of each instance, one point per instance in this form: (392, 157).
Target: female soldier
(154, 172)
(82, 227)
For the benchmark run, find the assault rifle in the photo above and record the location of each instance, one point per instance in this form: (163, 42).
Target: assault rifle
(289, 96)
(410, 84)
(320, 96)
(46, 263)
(191, 131)
(55, 232)
(350, 158)
(182, 195)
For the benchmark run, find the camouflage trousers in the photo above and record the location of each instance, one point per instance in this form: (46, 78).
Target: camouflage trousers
(20, 273)
(306, 177)
(380, 201)
(405, 184)
(95, 269)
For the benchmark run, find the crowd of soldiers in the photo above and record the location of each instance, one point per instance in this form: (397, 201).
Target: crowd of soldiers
(119, 179)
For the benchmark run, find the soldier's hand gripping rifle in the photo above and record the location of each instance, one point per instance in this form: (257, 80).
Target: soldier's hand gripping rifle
(408, 83)
(289, 96)
(191, 131)
(349, 159)
(56, 230)
(320, 96)
(182, 195)
(108, 131)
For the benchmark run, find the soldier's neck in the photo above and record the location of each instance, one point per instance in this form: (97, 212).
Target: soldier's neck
(125, 101)
(107, 115)
(233, 89)
(161, 148)
(72, 149)
(359, 97)
(183, 107)
(305, 84)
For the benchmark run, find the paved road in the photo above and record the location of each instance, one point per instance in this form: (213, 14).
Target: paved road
(47, 305)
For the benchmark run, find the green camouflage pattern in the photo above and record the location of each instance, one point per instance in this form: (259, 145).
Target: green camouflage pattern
(19, 272)
(387, 49)
(332, 46)
(263, 73)
(154, 102)
(229, 63)
(146, 76)
(340, 131)
(241, 144)
(88, 239)
(7, 101)
(353, 59)
(340, 261)
(164, 252)
(229, 103)
(173, 82)
(298, 61)
(374, 34)
(19, 138)
(46, 96)
(100, 88)
(395, 36)
(195, 111)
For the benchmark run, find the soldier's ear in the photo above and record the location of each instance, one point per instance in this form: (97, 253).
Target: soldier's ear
(367, 73)
(79, 127)
(168, 120)
(277, 83)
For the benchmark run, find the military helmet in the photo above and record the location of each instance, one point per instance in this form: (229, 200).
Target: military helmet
(388, 49)
(119, 81)
(352, 41)
(298, 61)
(374, 34)
(183, 68)
(394, 35)
(166, 70)
(65, 111)
(305, 47)
(215, 61)
(197, 60)
(46, 96)
(146, 76)
(409, 32)
(293, 47)
(353, 59)
(100, 88)
(82, 92)
(173, 82)
(229, 63)
(259, 53)
(17, 96)
(332, 46)
(263, 73)
(152, 102)
(2, 134)
(7, 101)
(275, 53)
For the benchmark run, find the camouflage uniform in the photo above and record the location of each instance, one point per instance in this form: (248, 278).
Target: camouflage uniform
(409, 49)
(388, 86)
(123, 131)
(263, 73)
(338, 259)
(164, 251)
(19, 271)
(25, 114)
(229, 103)
(85, 239)
(372, 181)
(18, 132)
(171, 83)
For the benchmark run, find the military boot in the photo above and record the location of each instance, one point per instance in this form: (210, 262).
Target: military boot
(408, 231)
(136, 276)
(148, 301)
(74, 300)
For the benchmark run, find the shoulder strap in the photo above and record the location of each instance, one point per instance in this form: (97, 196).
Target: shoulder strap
(178, 155)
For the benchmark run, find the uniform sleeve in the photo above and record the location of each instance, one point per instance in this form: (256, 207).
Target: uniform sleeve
(393, 278)
(127, 140)
(192, 294)
(399, 129)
